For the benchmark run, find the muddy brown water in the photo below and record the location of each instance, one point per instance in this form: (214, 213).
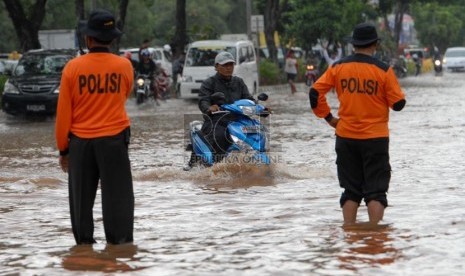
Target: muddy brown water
(235, 219)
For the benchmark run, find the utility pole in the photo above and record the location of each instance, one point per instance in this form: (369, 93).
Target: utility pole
(248, 4)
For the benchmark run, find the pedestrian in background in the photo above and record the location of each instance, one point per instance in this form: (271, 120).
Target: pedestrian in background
(366, 88)
(92, 134)
(178, 66)
(291, 68)
(335, 55)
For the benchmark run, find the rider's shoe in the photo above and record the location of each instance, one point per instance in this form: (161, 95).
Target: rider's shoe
(191, 162)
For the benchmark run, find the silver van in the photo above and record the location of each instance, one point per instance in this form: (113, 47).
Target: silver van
(200, 59)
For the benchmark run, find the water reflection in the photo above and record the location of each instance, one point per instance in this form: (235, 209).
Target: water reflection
(367, 244)
(112, 258)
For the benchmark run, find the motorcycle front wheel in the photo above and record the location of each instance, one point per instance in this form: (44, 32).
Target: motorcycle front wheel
(139, 98)
(309, 82)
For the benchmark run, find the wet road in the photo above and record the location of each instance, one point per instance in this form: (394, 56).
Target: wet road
(236, 220)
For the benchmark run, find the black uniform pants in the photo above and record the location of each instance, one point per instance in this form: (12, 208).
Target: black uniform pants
(105, 159)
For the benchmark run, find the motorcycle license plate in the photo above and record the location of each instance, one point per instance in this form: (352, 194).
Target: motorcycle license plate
(251, 129)
(35, 107)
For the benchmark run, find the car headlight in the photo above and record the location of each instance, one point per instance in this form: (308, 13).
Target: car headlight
(187, 79)
(57, 90)
(248, 110)
(9, 88)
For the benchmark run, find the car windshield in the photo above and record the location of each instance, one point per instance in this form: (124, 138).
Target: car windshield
(205, 56)
(41, 64)
(455, 53)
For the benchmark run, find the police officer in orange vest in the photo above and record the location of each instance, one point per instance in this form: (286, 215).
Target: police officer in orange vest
(366, 89)
(92, 134)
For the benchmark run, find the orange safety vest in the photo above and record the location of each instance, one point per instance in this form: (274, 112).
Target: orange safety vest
(93, 92)
(366, 88)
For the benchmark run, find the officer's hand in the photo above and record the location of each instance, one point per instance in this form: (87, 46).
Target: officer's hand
(268, 109)
(64, 162)
(333, 122)
(213, 108)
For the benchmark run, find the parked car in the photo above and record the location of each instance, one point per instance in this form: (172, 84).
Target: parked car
(34, 84)
(159, 55)
(454, 59)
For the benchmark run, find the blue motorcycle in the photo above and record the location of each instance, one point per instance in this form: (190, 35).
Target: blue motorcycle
(249, 136)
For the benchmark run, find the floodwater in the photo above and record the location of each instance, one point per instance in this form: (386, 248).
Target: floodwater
(235, 219)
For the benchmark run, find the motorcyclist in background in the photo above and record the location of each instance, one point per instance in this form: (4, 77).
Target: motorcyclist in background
(147, 67)
(417, 60)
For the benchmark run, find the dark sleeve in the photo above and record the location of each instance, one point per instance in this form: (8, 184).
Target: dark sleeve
(206, 90)
(245, 91)
(398, 106)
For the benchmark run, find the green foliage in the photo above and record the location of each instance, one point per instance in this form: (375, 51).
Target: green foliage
(270, 73)
(439, 24)
(331, 20)
(148, 19)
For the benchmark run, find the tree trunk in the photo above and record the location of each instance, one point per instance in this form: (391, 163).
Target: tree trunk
(180, 37)
(402, 6)
(80, 16)
(123, 7)
(271, 20)
(27, 27)
(272, 16)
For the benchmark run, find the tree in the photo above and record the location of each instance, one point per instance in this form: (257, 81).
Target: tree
(180, 36)
(123, 6)
(272, 11)
(26, 25)
(330, 20)
(272, 14)
(401, 8)
(439, 24)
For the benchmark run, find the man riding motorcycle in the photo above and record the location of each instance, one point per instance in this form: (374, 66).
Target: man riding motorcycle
(233, 88)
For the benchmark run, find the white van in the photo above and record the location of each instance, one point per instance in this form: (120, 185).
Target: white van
(200, 59)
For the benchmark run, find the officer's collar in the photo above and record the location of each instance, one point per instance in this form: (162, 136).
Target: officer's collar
(99, 50)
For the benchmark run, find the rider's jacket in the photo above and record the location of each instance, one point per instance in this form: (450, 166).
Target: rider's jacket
(366, 89)
(233, 89)
(148, 68)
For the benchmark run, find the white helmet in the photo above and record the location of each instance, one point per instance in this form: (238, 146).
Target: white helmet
(167, 48)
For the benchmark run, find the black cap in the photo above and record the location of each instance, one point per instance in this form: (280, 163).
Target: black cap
(364, 34)
(101, 25)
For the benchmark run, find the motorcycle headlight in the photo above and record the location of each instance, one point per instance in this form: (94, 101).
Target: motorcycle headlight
(140, 82)
(248, 110)
(243, 146)
(437, 62)
(309, 67)
(9, 88)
